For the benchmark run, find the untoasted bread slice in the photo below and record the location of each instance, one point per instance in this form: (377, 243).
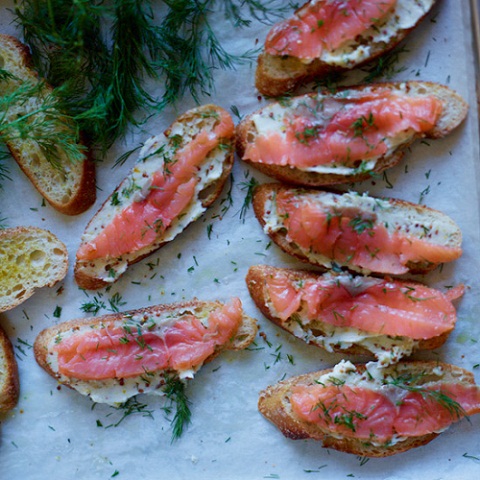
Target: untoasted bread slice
(341, 429)
(385, 236)
(389, 319)
(31, 258)
(69, 185)
(161, 342)
(280, 74)
(99, 262)
(284, 163)
(9, 383)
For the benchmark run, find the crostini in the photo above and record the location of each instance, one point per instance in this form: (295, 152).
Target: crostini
(332, 138)
(117, 356)
(371, 411)
(9, 382)
(356, 231)
(177, 176)
(327, 36)
(46, 158)
(355, 314)
(32, 258)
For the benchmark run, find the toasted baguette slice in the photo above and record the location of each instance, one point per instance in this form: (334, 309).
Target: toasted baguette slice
(9, 383)
(280, 74)
(146, 347)
(356, 315)
(69, 185)
(385, 236)
(429, 388)
(31, 258)
(99, 265)
(299, 157)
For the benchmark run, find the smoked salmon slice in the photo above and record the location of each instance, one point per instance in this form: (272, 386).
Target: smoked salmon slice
(341, 131)
(389, 307)
(362, 233)
(325, 25)
(348, 135)
(338, 311)
(170, 192)
(134, 349)
(400, 410)
(370, 410)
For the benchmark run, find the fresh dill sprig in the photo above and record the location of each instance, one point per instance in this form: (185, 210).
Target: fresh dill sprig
(409, 382)
(41, 122)
(175, 391)
(249, 187)
(262, 11)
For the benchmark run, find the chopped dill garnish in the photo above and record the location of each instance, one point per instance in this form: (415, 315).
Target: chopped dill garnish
(116, 302)
(131, 407)
(93, 306)
(386, 66)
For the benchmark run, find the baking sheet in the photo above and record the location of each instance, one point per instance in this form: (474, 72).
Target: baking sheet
(56, 431)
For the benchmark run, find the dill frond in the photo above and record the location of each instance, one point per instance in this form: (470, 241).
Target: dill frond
(104, 52)
(249, 187)
(175, 391)
(409, 382)
(41, 122)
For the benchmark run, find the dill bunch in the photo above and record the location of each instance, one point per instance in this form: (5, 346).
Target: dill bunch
(104, 53)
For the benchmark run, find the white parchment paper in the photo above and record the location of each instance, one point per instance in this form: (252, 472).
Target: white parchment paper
(56, 433)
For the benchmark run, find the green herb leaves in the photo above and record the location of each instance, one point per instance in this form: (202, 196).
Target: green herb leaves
(175, 391)
(103, 53)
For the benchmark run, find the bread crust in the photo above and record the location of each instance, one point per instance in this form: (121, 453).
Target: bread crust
(9, 381)
(274, 405)
(69, 200)
(256, 283)
(243, 337)
(265, 192)
(278, 75)
(454, 112)
(33, 258)
(91, 281)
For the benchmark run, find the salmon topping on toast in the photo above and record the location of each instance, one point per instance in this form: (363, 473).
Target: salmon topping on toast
(380, 306)
(351, 236)
(170, 192)
(325, 25)
(342, 131)
(133, 349)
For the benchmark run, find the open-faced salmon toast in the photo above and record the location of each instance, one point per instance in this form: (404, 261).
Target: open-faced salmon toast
(328, 36)
(356, 231)
(178, 175)
(114, 357)
(371, 411)
(332, 138)
(355, 314)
